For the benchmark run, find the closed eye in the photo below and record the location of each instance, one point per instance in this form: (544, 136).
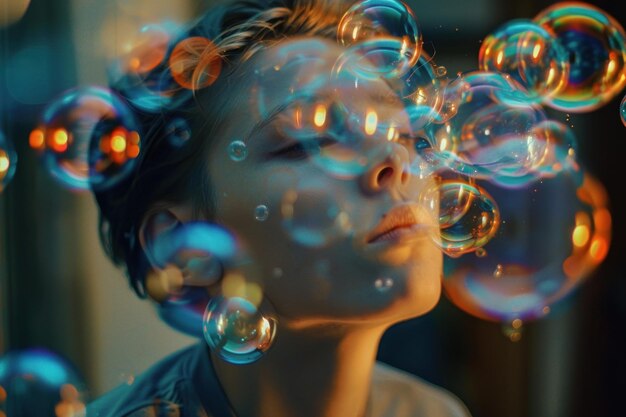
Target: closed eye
(303, 148)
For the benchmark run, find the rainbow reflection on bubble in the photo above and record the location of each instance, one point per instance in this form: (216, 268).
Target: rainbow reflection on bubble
(236, 330)
(189, 260)
(596, 45)
(530, 54)
(528, 264)
(38, 382)
(8, 162)
(87, 138)
(622, 110)
(382, 36)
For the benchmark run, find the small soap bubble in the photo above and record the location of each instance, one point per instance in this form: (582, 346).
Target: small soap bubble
(147, 49)
(238, 151)
(530, 54)
(178, 132)
(372, 20)
(481, 252)
(261, 213)
(441, 71)
(236, 330)
(8, 162)
(87, 138)
(622, 110)
(383, 284)
(595, 44)
(498, 272)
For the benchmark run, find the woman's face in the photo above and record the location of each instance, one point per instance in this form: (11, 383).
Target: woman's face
(324, 195)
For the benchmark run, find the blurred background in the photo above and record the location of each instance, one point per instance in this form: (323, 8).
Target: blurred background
(59, 292)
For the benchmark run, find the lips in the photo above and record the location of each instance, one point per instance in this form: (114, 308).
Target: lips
(397, 223)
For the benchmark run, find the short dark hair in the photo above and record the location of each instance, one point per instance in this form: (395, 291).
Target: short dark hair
(165, 173)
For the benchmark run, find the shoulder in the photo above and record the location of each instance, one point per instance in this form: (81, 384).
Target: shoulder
(399, 394)
(161, 390)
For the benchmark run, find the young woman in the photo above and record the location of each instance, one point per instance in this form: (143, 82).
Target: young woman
(313, 170)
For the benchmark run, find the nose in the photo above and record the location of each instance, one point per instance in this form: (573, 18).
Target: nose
(388, 172)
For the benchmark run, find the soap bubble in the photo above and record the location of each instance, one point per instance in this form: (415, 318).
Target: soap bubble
(314, 217)
(383, 32)
(261, 212)
(238, 150)
(490, 134)
(236, 330)
(595, 43)
(530, 54)
(177, 131)
(8, 162)
(147, 50)
(87, 138)
(189, 260)
(37, 382)
(468, 217)
(195, 63)
(553, 233)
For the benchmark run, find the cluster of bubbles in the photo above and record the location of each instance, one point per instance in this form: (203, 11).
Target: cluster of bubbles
(37, 382)
(512, 250)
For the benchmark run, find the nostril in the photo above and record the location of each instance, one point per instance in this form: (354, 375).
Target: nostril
(384, 176)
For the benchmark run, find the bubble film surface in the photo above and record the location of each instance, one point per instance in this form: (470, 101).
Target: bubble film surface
(8, 161)
(530, 54)
(524, 271)
(87, 138)
(622, 110)
(236, 330)
(38, 382)
(595, 43)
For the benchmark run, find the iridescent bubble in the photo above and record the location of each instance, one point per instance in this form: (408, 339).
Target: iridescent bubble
(147, 50)
(384, 31)
(236, 330)
(622, 110)
(553, 233)
(314, 217)
(530, 54)
(261, 212)
(189, 260)
(8, 162)
(489, 136)
(38, 382)
(595, 43)
(195, 63)
(238, 150)
(468, 217)
(88, 138)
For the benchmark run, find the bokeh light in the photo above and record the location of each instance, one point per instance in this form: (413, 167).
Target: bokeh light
(530, 54)
(553, 233)
(87, 138)
(8, 162)
(12, 11)
(37, 382)
(596, 45)
(195, 63)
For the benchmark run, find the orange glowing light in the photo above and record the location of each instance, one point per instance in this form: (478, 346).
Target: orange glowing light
(118, 143)
(319, 119)
(499, 58)
(581, 235)
(392, 134)
(3, 394)
(195, 63)
(371, 122)
(60, 139)
(4, 163)
(36, 140)
(602, 220)
(536, 50)
(599, 249)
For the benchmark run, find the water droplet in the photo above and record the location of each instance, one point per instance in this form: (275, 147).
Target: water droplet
(383, 284)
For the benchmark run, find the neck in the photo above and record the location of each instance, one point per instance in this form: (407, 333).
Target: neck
(307, 373)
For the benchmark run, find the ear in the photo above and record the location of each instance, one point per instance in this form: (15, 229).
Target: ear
(157, 223)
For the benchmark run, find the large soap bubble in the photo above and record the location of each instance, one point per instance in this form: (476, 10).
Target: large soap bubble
(8, 162)
(383, 37)
(552, 235)
(37, 382)
(595, 43)
(87, 138)
(530, 54)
